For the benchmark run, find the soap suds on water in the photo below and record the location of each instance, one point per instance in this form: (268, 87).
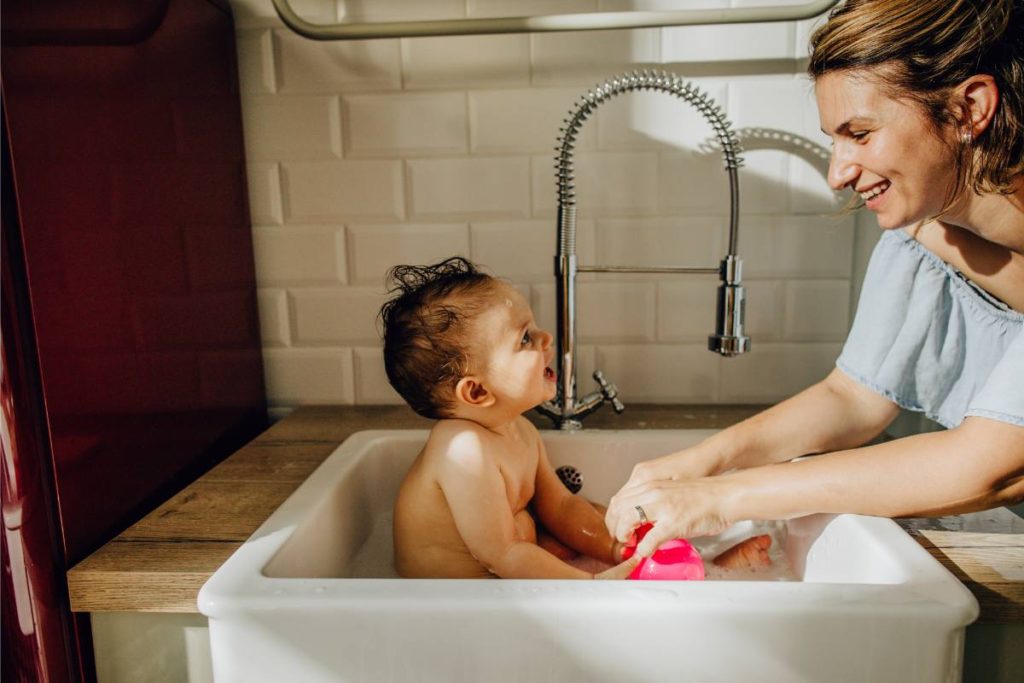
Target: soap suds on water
(376, 560)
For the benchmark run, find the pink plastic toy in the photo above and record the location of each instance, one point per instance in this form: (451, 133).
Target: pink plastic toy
(674, 560)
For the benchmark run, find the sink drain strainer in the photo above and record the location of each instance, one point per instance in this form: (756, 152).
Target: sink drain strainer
(571, 477)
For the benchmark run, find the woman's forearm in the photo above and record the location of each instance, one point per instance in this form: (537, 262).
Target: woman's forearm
(974, 467)
(834, 414)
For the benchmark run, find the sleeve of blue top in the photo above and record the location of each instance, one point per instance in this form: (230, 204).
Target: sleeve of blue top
(1002, 396)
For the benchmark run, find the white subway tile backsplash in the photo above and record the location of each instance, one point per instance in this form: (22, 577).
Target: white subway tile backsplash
(542, 301)
(803, 32)
(308, 376)
(275, 328)
(292, 128)
(772, 372)
(486, 61)
(367, 154)
(658, 120)
(797, 246)
(376, 248)
(372, 386)
(765, 304)
(730, 42)
(590, 57)
(607, 184)
(620, 311)
(693, 182)
(762, 182)
(809, 191)
(312, 66)
(256, 74)
(779, 104)
(779, 114)
(264, 182)
(522, 120)
(686, 309)
(817, 310)
(524, 251)
(328, 192)
(491, 187)
(406, 124)
(659, 373)
(693, 242)
(336, 316)
(296, 255)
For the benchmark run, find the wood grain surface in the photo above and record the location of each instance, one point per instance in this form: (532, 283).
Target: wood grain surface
(160, 563)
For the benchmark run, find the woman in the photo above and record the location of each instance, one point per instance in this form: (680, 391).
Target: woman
(923, 102)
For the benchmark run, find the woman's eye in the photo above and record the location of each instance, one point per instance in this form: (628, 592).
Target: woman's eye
(860, 136)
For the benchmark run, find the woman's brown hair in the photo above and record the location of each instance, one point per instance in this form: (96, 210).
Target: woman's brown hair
(922, 50)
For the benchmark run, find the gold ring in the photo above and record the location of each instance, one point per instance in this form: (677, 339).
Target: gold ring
(643, 515)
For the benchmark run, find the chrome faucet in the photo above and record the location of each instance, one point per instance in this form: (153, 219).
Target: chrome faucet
(728, 340)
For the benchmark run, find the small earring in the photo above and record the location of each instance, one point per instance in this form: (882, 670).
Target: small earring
(966, 137)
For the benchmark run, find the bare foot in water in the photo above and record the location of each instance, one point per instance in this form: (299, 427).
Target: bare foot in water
(748, 554)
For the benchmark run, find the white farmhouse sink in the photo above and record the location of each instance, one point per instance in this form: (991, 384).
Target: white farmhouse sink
(312, 597)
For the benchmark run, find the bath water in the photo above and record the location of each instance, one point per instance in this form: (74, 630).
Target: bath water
(375, 559)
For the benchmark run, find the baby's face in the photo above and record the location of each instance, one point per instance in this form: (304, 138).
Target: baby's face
(513, 355)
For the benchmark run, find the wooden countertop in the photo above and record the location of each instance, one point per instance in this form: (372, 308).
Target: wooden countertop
(160, 563)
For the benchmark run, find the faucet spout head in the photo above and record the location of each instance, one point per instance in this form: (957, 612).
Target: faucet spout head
(728, 339)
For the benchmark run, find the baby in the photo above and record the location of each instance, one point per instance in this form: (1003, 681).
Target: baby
(462, 347)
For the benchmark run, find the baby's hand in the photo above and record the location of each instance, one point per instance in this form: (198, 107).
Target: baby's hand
(619, 551)
(620, 571)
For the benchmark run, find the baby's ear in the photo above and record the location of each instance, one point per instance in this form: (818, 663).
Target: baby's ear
(469, 391)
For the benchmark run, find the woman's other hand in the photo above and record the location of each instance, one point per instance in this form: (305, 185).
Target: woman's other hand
(678, 509)
(690, 463)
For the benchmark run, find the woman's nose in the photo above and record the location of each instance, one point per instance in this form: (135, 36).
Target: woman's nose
(842, 170)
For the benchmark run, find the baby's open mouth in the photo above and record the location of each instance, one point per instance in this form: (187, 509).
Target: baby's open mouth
(549, 374)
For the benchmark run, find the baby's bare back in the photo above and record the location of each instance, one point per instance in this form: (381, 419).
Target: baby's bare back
(427, 541)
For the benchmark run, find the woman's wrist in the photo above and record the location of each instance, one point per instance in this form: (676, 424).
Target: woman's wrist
(713, 455)
(731, 499)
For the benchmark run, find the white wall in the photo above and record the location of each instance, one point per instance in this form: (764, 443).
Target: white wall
(367, 154)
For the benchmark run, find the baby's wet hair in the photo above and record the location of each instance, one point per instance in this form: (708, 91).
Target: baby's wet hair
(426, 345)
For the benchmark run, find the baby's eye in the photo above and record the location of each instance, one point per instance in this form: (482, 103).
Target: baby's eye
(526, 338)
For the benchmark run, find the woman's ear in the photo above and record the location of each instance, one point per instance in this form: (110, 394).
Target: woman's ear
(979, 96)
(469, 391)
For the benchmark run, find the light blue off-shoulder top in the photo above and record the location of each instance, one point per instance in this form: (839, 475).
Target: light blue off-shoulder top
(930, 340)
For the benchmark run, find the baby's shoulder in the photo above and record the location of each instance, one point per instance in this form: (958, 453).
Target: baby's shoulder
(455, 440)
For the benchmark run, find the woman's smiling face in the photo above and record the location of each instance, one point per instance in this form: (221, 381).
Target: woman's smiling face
(885, 149)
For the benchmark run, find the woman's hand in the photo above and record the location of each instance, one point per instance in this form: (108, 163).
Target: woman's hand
(678, 509)
(690, 463)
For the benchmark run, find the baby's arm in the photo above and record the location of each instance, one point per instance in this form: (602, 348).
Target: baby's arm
(573, 520)
(476, 495)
